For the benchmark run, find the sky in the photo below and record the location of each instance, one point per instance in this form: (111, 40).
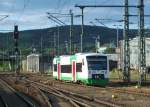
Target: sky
(31, 14)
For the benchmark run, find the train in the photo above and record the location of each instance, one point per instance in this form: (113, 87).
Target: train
(86, 68)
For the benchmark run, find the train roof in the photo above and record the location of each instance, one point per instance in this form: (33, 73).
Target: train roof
(79, 54)
(87, 54)
(65, 56)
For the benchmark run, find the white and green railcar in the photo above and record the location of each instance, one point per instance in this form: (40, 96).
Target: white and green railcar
(88, 68)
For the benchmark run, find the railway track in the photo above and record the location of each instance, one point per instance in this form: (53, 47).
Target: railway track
(118, 90)
(60, 90)
(75, 99)
(2, 102)
(9, 97)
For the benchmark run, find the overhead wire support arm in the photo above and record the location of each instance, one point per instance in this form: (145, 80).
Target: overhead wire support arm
(110, 20)
(4, 16)
(101, 23)
(59, 14)
(56, 19)
(134, 15)
(84, 6)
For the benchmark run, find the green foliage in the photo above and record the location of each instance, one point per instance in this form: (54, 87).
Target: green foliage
(110, 50)
(4, 66)
(32, 38)
(26, 51)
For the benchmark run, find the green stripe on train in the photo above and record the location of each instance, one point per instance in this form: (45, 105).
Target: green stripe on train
(65, 78)
(90, 81)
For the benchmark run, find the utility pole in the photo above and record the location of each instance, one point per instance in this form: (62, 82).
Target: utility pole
(82, 28)
(97, 43)
(142, 60)
(42, 61)
(66, 46)
(126, 67)
(71, 30)
(117, 38)
(54, 49)
(3, 56)
(58, 49)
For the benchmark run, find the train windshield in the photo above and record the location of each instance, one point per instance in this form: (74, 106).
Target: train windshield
(97, 62)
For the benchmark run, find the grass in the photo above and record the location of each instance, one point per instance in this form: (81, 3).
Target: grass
(4, 66)
(117, 74)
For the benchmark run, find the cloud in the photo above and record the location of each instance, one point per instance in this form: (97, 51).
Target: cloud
(34, 15)
(6, 3)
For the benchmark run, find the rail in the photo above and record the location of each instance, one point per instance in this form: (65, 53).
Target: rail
(72, 96)
(21, 96)
(4, 104)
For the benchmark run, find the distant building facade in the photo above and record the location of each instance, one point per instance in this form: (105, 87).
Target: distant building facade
(134, 52)
(37, 63)
(33, 63)
(113, 61)
(102, 49)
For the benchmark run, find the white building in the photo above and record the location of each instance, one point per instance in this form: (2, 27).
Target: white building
(102, 49)
(134, 52)
(113, 57)
(33, 63)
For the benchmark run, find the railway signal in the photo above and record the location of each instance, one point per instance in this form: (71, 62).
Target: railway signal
(16, 33)
(16, 49)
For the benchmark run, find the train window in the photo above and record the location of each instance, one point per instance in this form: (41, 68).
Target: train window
(97, 65)
(99, 58)
(55, 67)
(66, 68)
(79, 67)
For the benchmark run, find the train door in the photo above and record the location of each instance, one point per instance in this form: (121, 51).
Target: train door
(73, 70)
(58, 70)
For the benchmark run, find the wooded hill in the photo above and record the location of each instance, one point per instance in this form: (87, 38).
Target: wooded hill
(44, 38)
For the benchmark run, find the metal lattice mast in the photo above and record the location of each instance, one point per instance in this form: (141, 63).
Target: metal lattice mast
(126, 67)
(142, 60)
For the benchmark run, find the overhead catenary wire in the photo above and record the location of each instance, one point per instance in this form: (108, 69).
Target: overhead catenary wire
(54, 20)
(26, 3)
(101, 23)
(52, 17)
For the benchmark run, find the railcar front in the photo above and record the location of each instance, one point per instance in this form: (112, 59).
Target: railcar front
(97, 69)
